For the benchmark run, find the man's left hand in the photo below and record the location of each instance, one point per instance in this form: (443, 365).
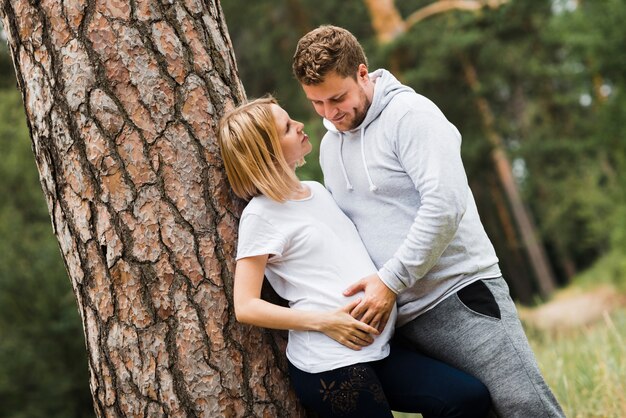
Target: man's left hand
(377, 303)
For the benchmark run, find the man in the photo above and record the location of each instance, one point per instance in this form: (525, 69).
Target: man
(392, 162)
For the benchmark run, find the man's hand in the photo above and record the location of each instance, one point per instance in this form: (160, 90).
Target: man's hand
(376, 304)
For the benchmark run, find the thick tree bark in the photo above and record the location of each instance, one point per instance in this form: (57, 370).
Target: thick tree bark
(122, 100)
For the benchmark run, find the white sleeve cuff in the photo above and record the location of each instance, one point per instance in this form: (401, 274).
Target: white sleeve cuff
(390, 280)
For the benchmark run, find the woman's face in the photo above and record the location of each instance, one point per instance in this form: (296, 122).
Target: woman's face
(293, 141)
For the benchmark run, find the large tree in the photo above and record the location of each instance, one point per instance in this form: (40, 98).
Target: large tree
(122, 100)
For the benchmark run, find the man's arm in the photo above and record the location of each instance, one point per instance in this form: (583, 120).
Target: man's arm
(428, 147)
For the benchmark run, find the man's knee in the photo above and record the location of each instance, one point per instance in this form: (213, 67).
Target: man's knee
(475, 402)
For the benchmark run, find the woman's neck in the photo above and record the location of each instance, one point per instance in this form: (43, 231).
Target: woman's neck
(302, 192)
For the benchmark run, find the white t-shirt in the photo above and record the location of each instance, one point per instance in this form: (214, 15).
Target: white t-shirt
(315, 254)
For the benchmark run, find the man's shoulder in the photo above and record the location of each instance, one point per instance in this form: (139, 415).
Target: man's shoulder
(414, 109)
(410, 102)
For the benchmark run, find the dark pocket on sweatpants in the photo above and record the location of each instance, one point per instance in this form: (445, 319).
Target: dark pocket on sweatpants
(479, 298)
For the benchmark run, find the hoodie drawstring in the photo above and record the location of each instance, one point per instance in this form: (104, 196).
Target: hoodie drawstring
(373, 187)
(387, 87)
(343, 167)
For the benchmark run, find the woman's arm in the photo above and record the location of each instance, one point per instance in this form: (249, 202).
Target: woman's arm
(251, 309)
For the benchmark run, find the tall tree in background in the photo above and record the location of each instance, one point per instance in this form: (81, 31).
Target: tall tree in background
(389, 24)
(577, 143)
(122, 100)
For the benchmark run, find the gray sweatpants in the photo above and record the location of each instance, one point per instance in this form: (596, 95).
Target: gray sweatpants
(496, 351)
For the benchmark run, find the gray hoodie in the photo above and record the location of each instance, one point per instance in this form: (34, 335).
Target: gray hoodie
(399, 177)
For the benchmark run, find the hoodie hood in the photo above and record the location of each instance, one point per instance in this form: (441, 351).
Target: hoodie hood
(386, 87)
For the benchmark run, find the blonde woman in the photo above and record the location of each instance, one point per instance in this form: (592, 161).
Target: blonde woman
(293, 233)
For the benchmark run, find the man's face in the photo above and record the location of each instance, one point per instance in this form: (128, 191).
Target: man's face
(342, 100)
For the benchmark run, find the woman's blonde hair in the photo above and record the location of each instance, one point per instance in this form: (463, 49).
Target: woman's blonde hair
(252, 154)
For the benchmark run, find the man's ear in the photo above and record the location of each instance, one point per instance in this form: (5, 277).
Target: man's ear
(362, 72)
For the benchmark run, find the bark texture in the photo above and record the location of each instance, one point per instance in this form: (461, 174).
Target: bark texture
(122, 100)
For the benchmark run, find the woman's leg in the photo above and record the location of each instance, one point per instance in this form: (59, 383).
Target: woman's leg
(348, 392)
(415, 383)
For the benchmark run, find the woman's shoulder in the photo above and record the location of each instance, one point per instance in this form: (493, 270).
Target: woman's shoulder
(255, 216)
(314, 185)
(320, 193)
(263, 207)
(256, 206)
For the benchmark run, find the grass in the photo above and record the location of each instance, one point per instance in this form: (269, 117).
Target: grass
(586, 368)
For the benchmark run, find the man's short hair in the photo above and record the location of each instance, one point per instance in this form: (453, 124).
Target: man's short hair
(326, 49)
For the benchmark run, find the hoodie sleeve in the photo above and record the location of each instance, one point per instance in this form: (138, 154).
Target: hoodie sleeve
(428, 147)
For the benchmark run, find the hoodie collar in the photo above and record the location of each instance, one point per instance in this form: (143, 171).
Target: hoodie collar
(386, 86)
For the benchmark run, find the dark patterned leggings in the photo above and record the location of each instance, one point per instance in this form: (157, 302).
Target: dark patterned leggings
(405, 381)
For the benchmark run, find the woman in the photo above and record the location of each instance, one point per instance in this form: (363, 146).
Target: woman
(295, 234)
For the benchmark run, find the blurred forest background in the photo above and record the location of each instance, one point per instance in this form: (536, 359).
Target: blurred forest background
(542, 82)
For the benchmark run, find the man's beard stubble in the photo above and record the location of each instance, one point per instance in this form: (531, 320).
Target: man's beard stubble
(359, 114)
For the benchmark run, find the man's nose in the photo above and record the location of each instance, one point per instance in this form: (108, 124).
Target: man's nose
(329, 111)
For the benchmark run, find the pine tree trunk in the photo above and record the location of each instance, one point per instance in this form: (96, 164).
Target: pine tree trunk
(122, 100)
(537, 255)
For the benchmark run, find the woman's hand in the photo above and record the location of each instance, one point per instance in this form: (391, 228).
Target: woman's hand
(343, 328)
(251, 309)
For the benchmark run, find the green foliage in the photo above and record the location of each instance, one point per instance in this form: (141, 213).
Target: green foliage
(311, 170)
(265, 33)
(574, 147)
(43, 364)
(609, 269)
(7, 73)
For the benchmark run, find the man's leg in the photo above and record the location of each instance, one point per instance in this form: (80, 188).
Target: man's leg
(414, 382)
(477, 330)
